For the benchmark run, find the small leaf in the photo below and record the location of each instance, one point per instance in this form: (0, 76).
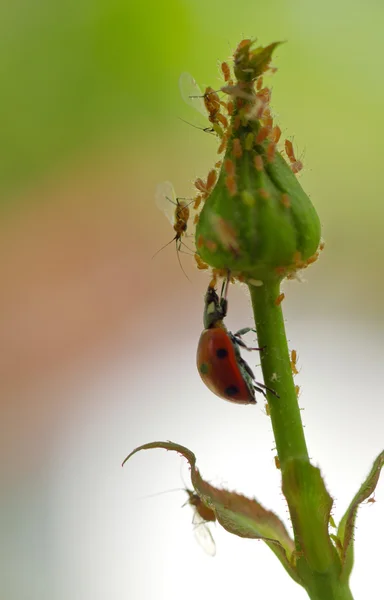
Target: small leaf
(237, 514)
(304, 488)
(347, 523)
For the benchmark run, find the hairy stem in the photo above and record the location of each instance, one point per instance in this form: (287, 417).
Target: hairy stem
(276, 366)
(318, 563)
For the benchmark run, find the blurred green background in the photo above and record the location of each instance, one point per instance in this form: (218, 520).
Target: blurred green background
(92, 330)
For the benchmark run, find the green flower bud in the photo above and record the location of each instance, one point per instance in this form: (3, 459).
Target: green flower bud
(257, 221)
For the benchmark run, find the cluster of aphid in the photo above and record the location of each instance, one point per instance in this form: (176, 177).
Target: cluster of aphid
(238, 106)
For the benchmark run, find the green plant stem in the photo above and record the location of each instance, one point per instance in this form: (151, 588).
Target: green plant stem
(309, 503)
(276, 366)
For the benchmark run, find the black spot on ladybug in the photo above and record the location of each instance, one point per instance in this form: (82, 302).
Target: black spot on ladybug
(232, 390)
(204, 368)
(221, 353)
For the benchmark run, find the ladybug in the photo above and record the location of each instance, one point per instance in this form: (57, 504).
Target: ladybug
(219, 361)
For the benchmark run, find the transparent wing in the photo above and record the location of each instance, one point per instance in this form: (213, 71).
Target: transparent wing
(192, 94)
(165, 198)
(203, 535)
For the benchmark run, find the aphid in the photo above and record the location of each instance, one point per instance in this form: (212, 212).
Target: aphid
(262, 135)
(200, 263)
(237, 150)
(206, 188)
(229, 166)
(279, 299)
(226, 71)
(202, 515)
(266, 117)
(230, 183)
(196, 219)
(285, 200)
(271, 152)
(264, 194)
(197, 202)
(207, 104)
(294, 362)
(297, 390)
(277, 462)
(226, 234)
(275, 134)
(219, 361)
(259, 84)
(371, 500)
(296, 165)
(258, 162)
(177, 211)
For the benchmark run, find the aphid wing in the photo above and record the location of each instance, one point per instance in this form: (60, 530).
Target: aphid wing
(203, 535)
(191, 93)
(165, 199)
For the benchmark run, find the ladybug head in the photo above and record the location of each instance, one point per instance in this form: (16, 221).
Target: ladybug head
(215, 308)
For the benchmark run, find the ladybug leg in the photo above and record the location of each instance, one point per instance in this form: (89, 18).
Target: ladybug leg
(244, 331)
(260, 387)
(237, 337)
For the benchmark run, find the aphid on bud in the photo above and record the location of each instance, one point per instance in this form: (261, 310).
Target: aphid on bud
(222, 146)
(197, 203)
(230, 108)
(229, 167)
(285, 200)
(279, 299)
(259, 84)
(211, 179)
(207, 104)
(226, 71)
(262, 134)
(196, 220)
(200, 263)
(297, 390)
(230, 183)
(226, 234)
(237, 150)
(275, 134)
(277, 462)
(258, 162)
(271, 149)
(296, 165)
(264, 194)
(267, 118)
(206, 188)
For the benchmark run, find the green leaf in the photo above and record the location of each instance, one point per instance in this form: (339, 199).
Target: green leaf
(347, 523)
(239, 515)
(304, 489)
